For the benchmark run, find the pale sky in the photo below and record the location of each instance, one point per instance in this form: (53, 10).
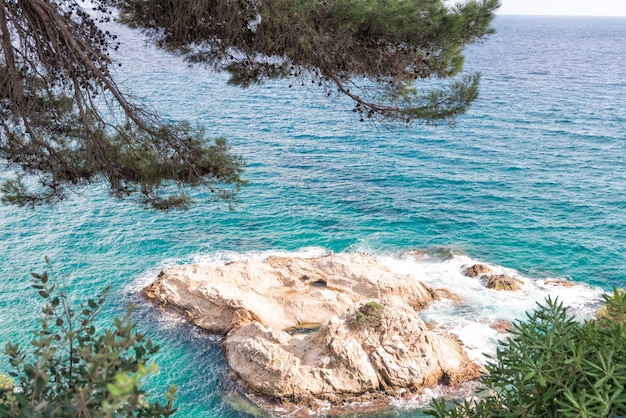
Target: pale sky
(564, 7)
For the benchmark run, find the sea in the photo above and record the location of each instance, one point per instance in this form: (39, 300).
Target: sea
(531, 181)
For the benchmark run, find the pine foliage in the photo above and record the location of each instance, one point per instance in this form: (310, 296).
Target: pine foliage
(65, 123)
(369, 50)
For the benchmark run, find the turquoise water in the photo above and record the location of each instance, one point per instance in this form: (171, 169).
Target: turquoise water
(532, 180)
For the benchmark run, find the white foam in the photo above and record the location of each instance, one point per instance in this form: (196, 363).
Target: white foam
(422, 399)
(481, 308)
(221, 257)
(134, 288)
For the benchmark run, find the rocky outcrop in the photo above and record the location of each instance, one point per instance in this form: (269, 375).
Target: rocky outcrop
(346, 358)
(280, 293)
(303, 329)
(500, 282)
(489, 280)
(475, 270)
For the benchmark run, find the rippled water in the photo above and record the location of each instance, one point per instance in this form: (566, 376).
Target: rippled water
(532, 180)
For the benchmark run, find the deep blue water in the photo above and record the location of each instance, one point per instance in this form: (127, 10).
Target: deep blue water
(533, 179)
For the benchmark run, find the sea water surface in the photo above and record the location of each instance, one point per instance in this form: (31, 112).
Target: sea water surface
(532, 181)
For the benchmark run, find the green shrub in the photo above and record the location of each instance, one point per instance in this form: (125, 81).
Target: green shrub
(369, 315)
(554, 366)
(73, 369)
(614, 308)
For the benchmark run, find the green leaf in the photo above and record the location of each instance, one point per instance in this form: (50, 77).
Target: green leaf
(114, 390)
(40, 384)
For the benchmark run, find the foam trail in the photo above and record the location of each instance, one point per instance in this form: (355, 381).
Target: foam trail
(221, 257)
(472, 320)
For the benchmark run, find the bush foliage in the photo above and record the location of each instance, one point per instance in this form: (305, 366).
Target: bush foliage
(555, 366)
(73, 369)
(369, 315)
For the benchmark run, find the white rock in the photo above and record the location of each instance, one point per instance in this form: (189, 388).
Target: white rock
(370, 334)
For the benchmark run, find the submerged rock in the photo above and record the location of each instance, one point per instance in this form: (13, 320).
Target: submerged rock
(501, 326)
(491, 281)
(475, 270)
(500, 282)
(329, 328)
(558, 282)
(442, 293)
